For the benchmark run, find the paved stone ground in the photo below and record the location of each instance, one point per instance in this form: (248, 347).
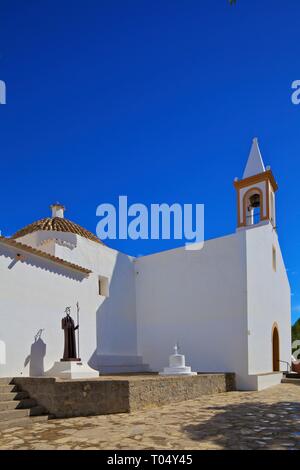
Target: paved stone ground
(235, 420)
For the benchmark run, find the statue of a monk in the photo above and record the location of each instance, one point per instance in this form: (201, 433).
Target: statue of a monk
(69, 328)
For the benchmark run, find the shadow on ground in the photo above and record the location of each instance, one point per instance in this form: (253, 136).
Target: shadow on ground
(250, 425)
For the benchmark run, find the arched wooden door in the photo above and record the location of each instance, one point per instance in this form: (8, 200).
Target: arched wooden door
(275, 346)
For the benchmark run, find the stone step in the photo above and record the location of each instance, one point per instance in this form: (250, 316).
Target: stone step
(10, 396)
(5, 380)
(16, 404)
(21, 413)
(105, 360)
(8, 388)
(22, 422)
(125, 369)
(291, 381)
(292, 375)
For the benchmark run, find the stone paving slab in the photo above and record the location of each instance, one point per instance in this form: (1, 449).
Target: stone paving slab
(269, 419)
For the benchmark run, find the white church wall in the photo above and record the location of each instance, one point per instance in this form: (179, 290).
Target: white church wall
(272, 203)
(268, 299)
(199, 299)
(116, 314)
(36, 241)
(261, 382)
(33, 296)
(2, 352)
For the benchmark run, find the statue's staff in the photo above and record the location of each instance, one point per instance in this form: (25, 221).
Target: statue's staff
(77, 305)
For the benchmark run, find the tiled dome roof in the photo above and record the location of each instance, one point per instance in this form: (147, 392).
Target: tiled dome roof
(57, 224)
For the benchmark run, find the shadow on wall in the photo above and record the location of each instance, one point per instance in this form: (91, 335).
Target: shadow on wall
(36, 356)
(248, 425)
(116, 324)
(47, 265)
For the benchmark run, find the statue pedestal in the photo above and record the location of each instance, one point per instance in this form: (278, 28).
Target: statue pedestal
(71, 370)
(177, 365)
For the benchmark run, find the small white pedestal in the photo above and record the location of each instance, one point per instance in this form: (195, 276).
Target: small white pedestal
(177, 365)
(71, 370)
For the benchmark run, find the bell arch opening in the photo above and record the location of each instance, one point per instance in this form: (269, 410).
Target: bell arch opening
(253, 201)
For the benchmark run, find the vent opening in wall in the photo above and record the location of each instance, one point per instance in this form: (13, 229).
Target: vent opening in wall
(103, 286)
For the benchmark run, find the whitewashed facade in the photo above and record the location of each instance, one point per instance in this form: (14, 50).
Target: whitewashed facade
(227, 304)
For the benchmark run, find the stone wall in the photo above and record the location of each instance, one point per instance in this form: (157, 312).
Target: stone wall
(161, 391)
(64, 399)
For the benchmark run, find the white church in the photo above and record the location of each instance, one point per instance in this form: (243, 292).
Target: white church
(227, 304)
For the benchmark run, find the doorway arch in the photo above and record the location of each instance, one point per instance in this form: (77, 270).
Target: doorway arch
(275, 348)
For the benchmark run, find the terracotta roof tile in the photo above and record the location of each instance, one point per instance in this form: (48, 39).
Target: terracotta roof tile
(56, 224)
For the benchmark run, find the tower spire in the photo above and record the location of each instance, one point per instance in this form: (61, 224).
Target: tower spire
(255, 164)
(256, 191)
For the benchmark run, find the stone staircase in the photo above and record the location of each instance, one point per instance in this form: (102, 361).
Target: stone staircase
(17, 408)
(121, 364)
(291, 378)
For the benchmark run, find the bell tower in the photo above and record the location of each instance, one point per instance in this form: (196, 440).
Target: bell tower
(255, 191)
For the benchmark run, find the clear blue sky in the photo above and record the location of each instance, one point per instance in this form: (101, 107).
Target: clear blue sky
(156, 100)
